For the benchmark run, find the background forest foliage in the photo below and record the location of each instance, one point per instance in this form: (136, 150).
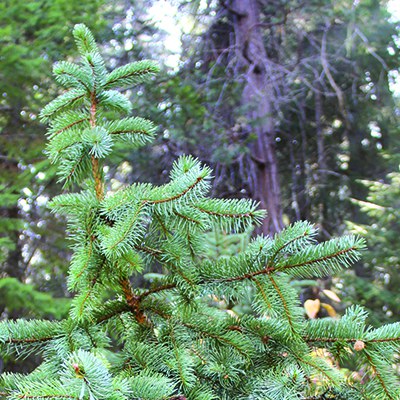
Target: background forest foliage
(291, 103)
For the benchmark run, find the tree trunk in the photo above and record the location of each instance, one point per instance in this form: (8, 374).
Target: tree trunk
(257, 101)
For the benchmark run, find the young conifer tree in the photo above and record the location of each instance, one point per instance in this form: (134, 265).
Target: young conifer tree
(173, 339)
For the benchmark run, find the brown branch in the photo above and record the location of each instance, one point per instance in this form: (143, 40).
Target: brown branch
(71, 101)
(228, 215)
(106, 317)
(313, 366)
(287, 244)
(98, 182)
(156, 290)
(70, 125)
(269, 270)
(160, 221)
(130, 74)
(61, 149)
(177, 196)
(157, 254)
(130, 226)
(133, 301)
(383, 340)
(30, 340)
(149, 250)
(129, 131)
(378, 375)
(88, 260)
(197, 354)
(327, 340)
(186, 218)
(93, 283)
(215, 336)
(285, 306)
(337, 254)
(160, 313)
(75, 166)
(173, 267)
(349, 340)
(245, 276)
(77, 79)
(264, 295)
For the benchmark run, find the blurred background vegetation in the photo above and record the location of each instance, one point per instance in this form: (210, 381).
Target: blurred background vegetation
(292, 103)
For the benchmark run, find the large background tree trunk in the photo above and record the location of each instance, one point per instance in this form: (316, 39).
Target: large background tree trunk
(257, 101)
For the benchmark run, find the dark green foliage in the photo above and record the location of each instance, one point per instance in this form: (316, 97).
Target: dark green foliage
(17, 296)
(33, 35)
(376, 285)
(324, 140)
(179, 337)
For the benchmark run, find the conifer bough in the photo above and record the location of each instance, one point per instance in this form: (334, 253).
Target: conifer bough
(182, 336)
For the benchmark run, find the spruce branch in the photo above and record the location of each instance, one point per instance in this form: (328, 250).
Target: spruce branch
(284, 303)
(110, 310)
(349, 340)
(157, 290)
(385, 381)
(71, 75)
(66, 122)
(131, 74)
(26, 337)
(62, 103)
(332, 255)
(293, 238)
(208, 325)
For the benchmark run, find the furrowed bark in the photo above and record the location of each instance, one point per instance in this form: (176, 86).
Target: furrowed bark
(257, 99)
